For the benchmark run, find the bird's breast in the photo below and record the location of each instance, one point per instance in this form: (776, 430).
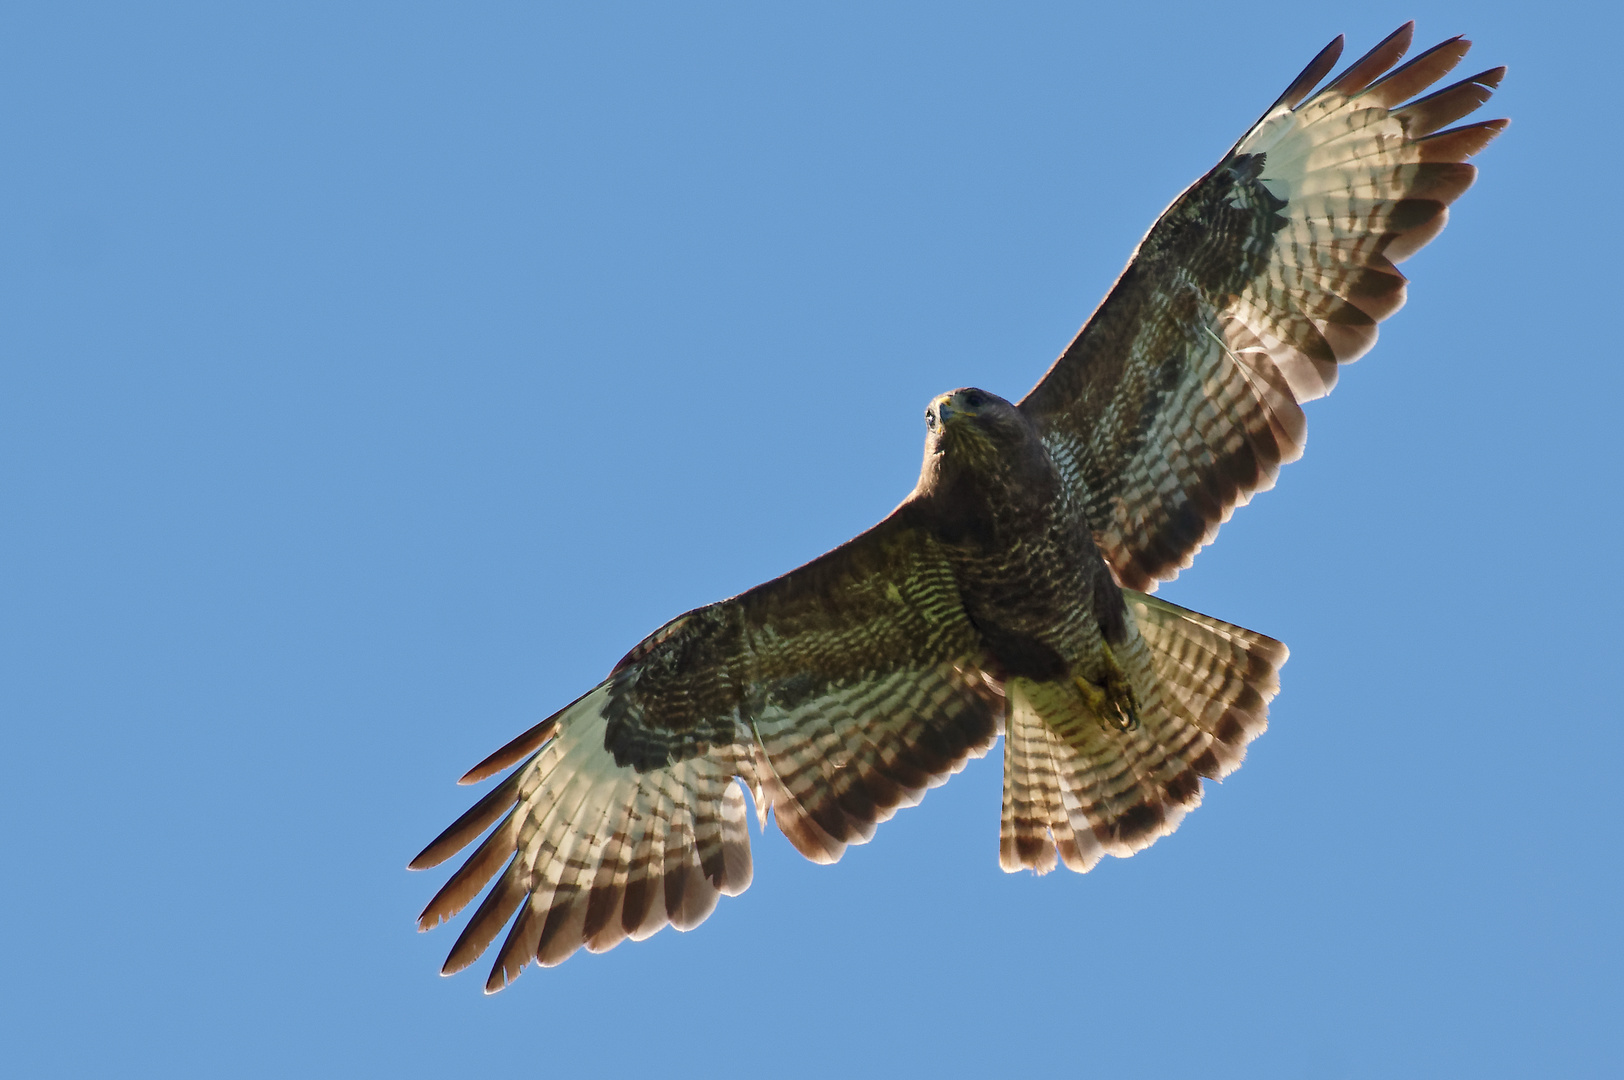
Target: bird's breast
(1033, 594)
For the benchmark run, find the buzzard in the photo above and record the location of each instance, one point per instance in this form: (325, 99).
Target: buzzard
(1009, 592)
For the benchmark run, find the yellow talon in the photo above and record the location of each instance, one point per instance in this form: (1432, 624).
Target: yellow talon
(1115, 697)
(1094, 695)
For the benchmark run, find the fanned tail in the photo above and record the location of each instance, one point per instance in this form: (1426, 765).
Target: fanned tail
(1076, 788)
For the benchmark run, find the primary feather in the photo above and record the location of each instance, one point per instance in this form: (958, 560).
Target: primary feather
(1181, 397)
(1007, 594)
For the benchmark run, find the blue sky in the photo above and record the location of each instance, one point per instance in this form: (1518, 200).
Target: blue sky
(373, 376)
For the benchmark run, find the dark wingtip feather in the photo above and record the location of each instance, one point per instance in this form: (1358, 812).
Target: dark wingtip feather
(1420, 73)
(1365, 70)
(1316, 70)
(1426, 115)
(561, 935)
(1441, 181)
(1423, 220)
(498, 907)
(489, 858)
(474, 821)
(517, 950)
(1458, 144)
(513, 752)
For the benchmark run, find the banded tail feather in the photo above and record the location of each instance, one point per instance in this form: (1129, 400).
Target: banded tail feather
(1077, 788)
(841, 691)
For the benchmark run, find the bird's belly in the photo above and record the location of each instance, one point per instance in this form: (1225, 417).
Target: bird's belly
(1036, 614)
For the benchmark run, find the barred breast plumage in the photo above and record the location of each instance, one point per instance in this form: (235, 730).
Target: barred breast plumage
(1004, 594)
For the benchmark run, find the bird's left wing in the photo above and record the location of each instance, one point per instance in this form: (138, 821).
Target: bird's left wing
(1181, 396)
(835, 693)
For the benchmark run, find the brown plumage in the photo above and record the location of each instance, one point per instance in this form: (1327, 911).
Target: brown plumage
(1004, 594)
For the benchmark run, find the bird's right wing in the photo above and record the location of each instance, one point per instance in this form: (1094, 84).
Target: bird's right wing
(837, 693)
(1180, 398)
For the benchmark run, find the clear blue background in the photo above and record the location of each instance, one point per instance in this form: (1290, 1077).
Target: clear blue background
(375, 375)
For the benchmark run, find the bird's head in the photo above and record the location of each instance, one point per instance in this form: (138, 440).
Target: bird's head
(971, 432)
(979, 451)
(970, 427)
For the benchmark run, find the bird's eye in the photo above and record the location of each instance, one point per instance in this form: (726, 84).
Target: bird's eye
(973, 399)
(930, 419)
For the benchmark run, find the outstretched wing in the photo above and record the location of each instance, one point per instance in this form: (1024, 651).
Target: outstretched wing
(837, 693)
(1182, 395)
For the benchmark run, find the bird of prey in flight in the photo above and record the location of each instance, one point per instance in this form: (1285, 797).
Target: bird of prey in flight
(1009, 593)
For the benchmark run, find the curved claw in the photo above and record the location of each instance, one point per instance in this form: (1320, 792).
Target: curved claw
(1114, 703)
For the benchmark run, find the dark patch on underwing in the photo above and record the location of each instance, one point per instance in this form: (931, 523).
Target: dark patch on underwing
(674, 698)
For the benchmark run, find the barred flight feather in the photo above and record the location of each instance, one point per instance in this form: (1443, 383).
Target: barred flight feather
(833, 696)
(846, 762)
(596, 852)
(842, 691)
(1181, 397)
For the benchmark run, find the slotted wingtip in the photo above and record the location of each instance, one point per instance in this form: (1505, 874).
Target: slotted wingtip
(1482, 134)
(513, 752)
(1317, 69)
(440, 849)
(429, 858)
(430, 918)
(1373, 64)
